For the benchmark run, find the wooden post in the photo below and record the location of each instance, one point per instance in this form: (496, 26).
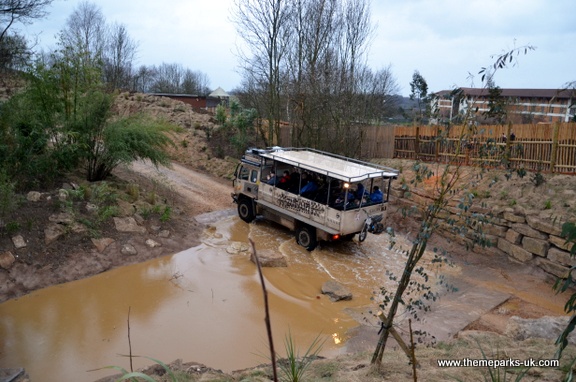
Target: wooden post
(397, 337)
(412, 351)
(417, 142)
(554, 153)
(437, 146)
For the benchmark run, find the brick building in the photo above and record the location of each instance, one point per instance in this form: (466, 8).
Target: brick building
(521, 105)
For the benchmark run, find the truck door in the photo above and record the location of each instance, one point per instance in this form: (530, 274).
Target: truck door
(247, 180)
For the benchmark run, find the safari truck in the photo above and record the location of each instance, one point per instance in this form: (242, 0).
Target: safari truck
(320, 196)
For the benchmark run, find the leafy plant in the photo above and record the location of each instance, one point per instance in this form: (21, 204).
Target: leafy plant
(166, 214)
(12, 227)
(7, 194)
(548, 204)
(293, 366)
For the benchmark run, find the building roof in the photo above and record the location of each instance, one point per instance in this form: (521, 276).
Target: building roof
(219, 92)
(522, 93)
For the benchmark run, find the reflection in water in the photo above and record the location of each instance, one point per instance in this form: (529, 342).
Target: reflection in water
(202, 305)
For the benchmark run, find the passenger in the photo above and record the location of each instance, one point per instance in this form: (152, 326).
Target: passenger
(376, 196)
(360, 191)
(309, 185)
(294, 181)
(284, 181)
(273, 179)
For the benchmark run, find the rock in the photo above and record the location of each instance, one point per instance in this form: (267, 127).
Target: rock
(139, 219)
(102, 243)
(545, 327)
(164, 233)
(515, 251)
(53, 232)
(336, 291)
(62, 218)
(152, 244)
(512, 217)
(126, 208)
(33, 196)
(513, 236)
(237, 247)
(18, 242)
(62, 194)
(540, 224)
(269, 258)
(563, 257)
(128, 224)
(560, 243)
(78, 227)
(535, 246)
(527, 231)
(90, 207)
(552, 267)
(128, 249)
(6, 260)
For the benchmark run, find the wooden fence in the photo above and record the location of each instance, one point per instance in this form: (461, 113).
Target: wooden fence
(545, 147)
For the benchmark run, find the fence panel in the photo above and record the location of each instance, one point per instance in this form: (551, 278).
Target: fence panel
(545, 147)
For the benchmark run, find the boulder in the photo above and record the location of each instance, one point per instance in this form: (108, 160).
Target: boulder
(527, 231)
(18, 242)
(515, 251)
(513, 236)
(102, 243)
(128, 224)
(560, 243)
(164, 233)
(126, 208)
(152, 244)
(6, 260)
(128, 249)
(547, 327)
(53, 232)
(33, 196)
(270, 259)
(535, 246)
(512, 217)
(540, 224)
(561, 257)
(62, 194)
(237, 247)
(336, 291)
(552, 267)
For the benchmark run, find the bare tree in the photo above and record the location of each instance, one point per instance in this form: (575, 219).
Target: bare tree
(85, 33)
(143, 79)
(194, 82)
(15, 51)
(20, 11)
(264, 27)
(119, 54)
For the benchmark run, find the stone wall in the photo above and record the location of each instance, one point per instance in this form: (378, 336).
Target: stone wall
(528, 237)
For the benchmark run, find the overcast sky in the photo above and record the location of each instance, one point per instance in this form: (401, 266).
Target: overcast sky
(445, 40)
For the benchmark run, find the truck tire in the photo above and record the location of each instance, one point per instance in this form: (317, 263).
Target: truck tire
(246, 210)
(306, 237)
(362, 235)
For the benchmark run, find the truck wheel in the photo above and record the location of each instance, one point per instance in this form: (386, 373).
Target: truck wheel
(306, 237)
(362, 235)
(246, 210)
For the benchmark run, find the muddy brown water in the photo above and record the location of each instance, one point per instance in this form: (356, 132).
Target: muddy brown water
(204, 304)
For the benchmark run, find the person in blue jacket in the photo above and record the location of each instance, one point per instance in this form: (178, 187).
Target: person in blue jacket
(376, 196)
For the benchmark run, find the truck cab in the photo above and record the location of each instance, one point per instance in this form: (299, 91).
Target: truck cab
(319, 195)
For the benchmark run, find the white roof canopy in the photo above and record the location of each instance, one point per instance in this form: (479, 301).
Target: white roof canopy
(334, 166)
